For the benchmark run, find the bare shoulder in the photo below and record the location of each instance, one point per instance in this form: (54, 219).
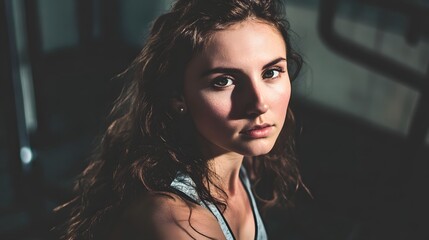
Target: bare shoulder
(165, 216)
(177, 218)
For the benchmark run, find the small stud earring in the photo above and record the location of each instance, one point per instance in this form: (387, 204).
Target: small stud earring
(181, 109)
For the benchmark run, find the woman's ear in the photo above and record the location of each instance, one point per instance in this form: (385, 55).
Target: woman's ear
(178, 104)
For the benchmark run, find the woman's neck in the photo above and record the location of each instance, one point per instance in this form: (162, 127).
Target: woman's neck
(227, 168)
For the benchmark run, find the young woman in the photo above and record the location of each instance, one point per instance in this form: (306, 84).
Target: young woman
(202, 127)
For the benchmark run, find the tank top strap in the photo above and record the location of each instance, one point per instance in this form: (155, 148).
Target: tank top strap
(184, 184)
(261, 233)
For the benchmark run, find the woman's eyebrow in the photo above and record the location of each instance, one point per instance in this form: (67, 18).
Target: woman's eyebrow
(221, 70)
(237, 70)
(275, 61)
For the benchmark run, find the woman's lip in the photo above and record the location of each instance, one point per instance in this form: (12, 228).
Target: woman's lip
(258, 131)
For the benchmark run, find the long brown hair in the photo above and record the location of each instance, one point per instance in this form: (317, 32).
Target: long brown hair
(143, 147)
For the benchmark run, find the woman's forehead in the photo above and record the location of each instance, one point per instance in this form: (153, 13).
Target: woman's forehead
(241, 42)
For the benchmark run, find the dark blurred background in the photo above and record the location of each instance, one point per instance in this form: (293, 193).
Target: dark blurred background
(362, 106)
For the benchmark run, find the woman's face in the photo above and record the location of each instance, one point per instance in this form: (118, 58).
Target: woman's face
(237, 89)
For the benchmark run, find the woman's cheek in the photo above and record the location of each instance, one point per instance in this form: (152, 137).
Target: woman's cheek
(215, 104)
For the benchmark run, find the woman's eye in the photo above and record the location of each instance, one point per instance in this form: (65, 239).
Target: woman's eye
(271, 73)
(222, 82)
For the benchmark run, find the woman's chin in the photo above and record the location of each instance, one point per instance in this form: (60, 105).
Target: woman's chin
(256, 149)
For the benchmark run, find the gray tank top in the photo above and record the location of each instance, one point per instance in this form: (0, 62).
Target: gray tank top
(185, 186)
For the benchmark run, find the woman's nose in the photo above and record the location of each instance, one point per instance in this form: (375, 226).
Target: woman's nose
(256, 100)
